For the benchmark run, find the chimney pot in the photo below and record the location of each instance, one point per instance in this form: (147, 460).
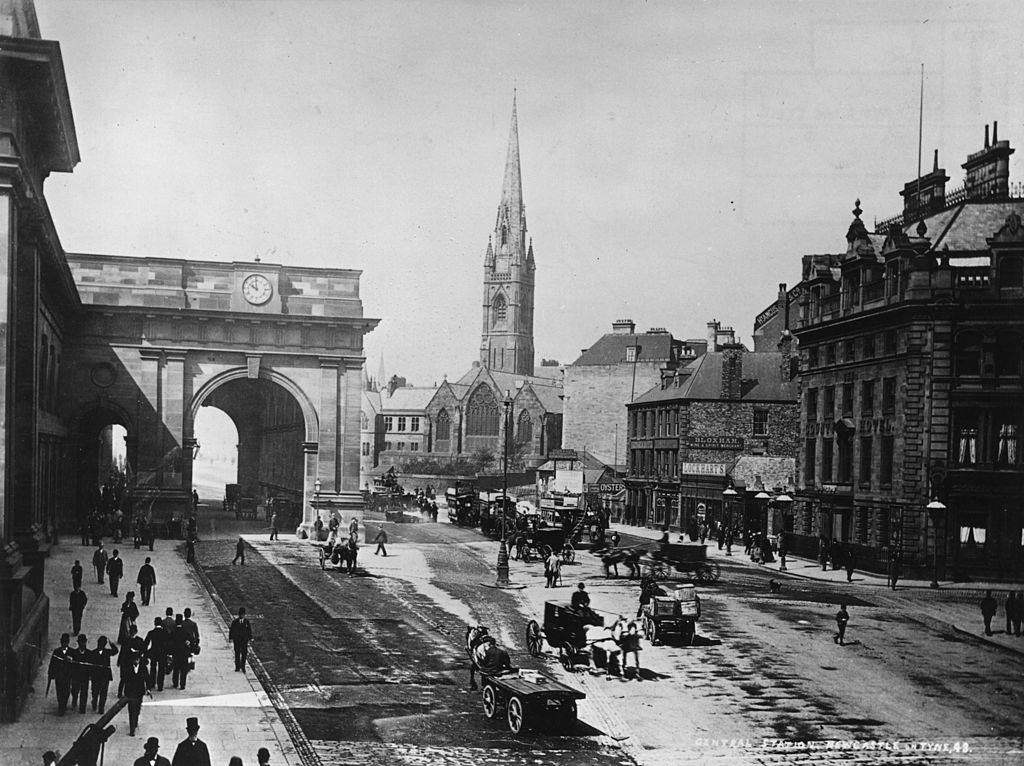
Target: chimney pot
(986, 136)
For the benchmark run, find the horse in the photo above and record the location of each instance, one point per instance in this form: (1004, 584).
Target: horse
(344, 553)
(484, 654)
(612, 557)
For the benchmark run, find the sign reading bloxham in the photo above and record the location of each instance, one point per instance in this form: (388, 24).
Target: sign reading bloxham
(702, 469)
(713, 442)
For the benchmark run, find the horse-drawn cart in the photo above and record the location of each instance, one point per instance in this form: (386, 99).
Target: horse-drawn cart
(565, 630)
(683, 558)
(672, 615)
(524, 698)
(530, 699)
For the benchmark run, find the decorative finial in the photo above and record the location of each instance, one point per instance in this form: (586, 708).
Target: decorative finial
(856, 209)
(257, 259)
(922, 228)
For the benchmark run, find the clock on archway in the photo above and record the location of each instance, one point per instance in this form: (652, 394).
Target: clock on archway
(257, 289)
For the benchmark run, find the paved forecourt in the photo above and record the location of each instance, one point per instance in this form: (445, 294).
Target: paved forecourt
(235, 715)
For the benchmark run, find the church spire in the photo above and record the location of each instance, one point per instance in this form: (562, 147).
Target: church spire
(512, 188)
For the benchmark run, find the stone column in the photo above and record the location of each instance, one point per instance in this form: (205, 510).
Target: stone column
(350, 408)
(173, 420)
(149, 417)
(309, 477)
(329, 454)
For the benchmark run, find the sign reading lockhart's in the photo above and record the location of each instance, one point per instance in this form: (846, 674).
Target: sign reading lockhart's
(702, 469)
(713, 442)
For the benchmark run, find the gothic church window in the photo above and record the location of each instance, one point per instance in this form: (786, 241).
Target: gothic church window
(444, 425)
(482, 413)
(504, 234)
(524, 432)
(499, 310)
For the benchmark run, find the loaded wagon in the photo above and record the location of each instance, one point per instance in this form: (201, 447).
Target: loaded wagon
(672, 616)
(530, 699)
(683, 558)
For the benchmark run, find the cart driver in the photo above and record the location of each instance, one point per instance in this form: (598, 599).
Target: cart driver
(648, 590)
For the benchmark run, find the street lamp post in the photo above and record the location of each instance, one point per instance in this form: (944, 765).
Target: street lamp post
(503, 548)
(935, 508)
(728, 496)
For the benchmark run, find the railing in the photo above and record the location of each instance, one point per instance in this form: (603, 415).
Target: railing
(951, 199)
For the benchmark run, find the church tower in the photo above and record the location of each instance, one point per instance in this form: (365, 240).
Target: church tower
(506, 343)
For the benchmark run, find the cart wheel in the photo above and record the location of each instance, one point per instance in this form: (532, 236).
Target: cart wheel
(545, 551)
(323, 559)
(653, 631)
(490, 701)
(516, 715)
(646, 625)
(658, 571)
(688, 630)
(534, 638)
(568, 554)
(709, 572)
(565, 657)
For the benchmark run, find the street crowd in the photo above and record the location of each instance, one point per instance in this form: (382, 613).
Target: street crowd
(143, 658)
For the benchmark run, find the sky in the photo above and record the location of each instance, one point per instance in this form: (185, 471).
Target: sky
(677, 157)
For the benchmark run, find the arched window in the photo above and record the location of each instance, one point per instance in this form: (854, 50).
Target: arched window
(482, 413)
(1011, 271)
(1008, 354)
(443, 429)
(499, 310)
(364, 422)
(504, 234)
(524, 429)
(968, 353)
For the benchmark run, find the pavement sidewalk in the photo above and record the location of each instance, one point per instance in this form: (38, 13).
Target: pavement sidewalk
(953, 603)
(235, 715)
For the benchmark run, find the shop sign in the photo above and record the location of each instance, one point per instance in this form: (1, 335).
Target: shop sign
(562, 454)
(666, 444)
(714, 442)
(642, 444)
(702, 469)
(605, 489)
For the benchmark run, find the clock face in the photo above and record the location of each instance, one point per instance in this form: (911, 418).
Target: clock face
(257, 289)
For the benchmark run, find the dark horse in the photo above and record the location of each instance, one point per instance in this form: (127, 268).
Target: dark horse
(345, 553)
(484, 654)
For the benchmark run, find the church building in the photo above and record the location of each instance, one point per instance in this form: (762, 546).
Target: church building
(504, 390)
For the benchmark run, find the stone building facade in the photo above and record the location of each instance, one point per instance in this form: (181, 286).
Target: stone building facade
(728, 420)
(619, 366)
(911, 380)
(91, 341)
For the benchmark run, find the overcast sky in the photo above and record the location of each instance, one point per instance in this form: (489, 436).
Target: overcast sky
(678, 157)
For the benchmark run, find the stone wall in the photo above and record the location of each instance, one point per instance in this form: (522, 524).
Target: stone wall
(595, 402)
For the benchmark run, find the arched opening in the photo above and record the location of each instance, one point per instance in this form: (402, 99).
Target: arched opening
(259, 461)
(215, 461)
(106, 464)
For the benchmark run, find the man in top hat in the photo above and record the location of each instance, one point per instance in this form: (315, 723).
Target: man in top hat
(191, 751)
(150, 756)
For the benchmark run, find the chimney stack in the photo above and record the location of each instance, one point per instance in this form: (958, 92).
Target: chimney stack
(988, 171)
(713, 335)
(732, 370)
(624, 327)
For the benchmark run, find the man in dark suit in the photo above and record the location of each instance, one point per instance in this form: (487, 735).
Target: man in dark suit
(115, 571)
(99, 659)
(76, 574)
(59, 671)
(99, 562)
(81, 672)
(192, 629)
(181, 652)
(77, 604)
(191, 751)
(146, 581)
(157, 647)
(136, 686)
(150, 756)
(240, 634)
(131, 652)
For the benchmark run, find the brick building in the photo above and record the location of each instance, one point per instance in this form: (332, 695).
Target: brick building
(911, 381)
(612, 372)
(726, 420)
